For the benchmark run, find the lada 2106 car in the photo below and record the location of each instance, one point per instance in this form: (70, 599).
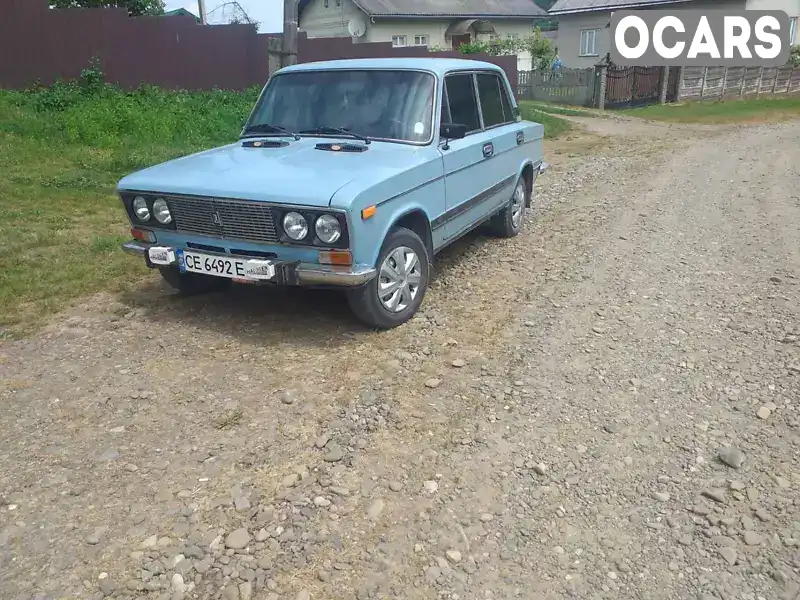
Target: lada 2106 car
(350, 173)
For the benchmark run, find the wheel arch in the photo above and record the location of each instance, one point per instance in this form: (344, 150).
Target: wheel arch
(414, 218)
(528, 173)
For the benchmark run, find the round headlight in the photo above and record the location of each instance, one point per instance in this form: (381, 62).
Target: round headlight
(140, 209)
(328, 229)
(295, 226)
(161, 211)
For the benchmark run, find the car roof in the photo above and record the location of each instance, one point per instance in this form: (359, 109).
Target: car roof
(436, 65)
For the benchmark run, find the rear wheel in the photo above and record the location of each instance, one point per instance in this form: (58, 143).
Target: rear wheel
(191, 284)
(396, 293)
(508, 222)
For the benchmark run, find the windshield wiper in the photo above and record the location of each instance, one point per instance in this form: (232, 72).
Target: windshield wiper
(262, 128)
(326, 129)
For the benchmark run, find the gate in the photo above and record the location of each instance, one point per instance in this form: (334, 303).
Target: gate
(631, 86)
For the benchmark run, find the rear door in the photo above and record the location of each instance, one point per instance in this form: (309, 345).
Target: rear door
(502, 131)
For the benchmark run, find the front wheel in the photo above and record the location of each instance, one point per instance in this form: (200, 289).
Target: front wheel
(396, 293)
(191, 284)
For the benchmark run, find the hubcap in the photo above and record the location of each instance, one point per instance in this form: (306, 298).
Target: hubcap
(399, 279)
(518, 205)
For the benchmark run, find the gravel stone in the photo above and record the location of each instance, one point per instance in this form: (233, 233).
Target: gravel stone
(237, 539)
(731, 456)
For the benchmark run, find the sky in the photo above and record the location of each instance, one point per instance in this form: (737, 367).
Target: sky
(269, 13)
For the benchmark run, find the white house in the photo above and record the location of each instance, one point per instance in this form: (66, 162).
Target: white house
(438, 24)
(584, 33)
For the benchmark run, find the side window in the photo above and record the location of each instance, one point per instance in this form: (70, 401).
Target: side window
(508, 112)
(463, 104)
(444, 117)
(494, 103)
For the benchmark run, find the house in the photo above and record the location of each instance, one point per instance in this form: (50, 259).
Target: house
(182, 12)
(584, 32)
(438, 24)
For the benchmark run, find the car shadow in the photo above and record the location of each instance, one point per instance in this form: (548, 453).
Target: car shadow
(263, 313)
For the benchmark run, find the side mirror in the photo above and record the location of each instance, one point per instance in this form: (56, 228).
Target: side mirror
(452, 131)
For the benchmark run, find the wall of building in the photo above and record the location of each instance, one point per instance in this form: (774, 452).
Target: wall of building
(570, 26)
(329, 18)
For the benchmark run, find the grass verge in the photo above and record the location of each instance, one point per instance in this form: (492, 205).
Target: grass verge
(62, 150)
(755, 110)
(568, 111)
(553, 126)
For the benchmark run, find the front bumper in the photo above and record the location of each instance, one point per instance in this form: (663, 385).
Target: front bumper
(293, 272)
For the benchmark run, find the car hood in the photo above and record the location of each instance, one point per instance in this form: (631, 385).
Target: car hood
(294, 174)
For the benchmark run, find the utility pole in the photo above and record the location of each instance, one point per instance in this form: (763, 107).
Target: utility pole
(201, 6)
(290, 32)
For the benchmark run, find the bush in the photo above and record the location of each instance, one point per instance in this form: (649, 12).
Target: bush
(541, 49)
(794, 57)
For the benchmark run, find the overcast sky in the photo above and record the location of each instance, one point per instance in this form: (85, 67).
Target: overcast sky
(269, 13)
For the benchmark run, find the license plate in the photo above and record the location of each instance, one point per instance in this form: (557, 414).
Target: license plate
(223, 266)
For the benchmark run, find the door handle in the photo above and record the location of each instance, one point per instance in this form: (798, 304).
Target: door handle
(488, 150)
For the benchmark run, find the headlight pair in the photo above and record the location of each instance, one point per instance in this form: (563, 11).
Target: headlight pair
(159, 210)
(327, 227)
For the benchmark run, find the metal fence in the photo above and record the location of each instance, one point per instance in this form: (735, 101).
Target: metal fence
(562, 86)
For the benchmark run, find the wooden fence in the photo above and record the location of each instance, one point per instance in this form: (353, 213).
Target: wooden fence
(705, 83)
(564, 86)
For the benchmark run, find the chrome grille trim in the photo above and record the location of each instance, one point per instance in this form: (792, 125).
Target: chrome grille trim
(241, 220)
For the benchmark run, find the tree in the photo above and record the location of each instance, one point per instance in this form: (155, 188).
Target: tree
(794, 57)
(135, 8)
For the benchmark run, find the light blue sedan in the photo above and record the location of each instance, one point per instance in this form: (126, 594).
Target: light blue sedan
(350, 173)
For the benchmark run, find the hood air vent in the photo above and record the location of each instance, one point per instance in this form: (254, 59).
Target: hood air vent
(341, 147)
(264, 144)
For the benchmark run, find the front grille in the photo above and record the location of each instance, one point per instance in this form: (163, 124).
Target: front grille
(224, 219)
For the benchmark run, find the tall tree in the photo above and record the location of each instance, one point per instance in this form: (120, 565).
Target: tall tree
(134, 7)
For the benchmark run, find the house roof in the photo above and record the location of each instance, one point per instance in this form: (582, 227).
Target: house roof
(448, 8)
(181, 11)
(564, 7)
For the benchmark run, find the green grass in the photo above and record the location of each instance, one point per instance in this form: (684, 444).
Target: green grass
(62, 150)
(558, 109)
(722, 111)
(553, 126)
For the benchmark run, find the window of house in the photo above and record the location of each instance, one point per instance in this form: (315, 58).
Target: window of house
(420, 40)
(398, 40)
(513, 36)
(793, 39)
(462, 101)
(589, 42)
(493, 37)
(494, 101)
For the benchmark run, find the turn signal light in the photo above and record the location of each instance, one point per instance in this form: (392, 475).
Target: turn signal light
(368, 212)
(143, 235)
(336, 257)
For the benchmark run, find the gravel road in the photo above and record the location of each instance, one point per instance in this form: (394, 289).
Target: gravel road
(607, 406)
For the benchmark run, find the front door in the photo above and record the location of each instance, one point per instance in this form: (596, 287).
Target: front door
(477, 168)
(461, 39)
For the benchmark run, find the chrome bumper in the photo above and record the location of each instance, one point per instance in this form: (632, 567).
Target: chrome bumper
(304, 273)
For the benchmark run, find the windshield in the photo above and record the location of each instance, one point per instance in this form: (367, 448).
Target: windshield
(378, 104)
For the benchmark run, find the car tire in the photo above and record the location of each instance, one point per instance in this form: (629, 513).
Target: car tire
(509, 221)
(191, 284)
(374, 308)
